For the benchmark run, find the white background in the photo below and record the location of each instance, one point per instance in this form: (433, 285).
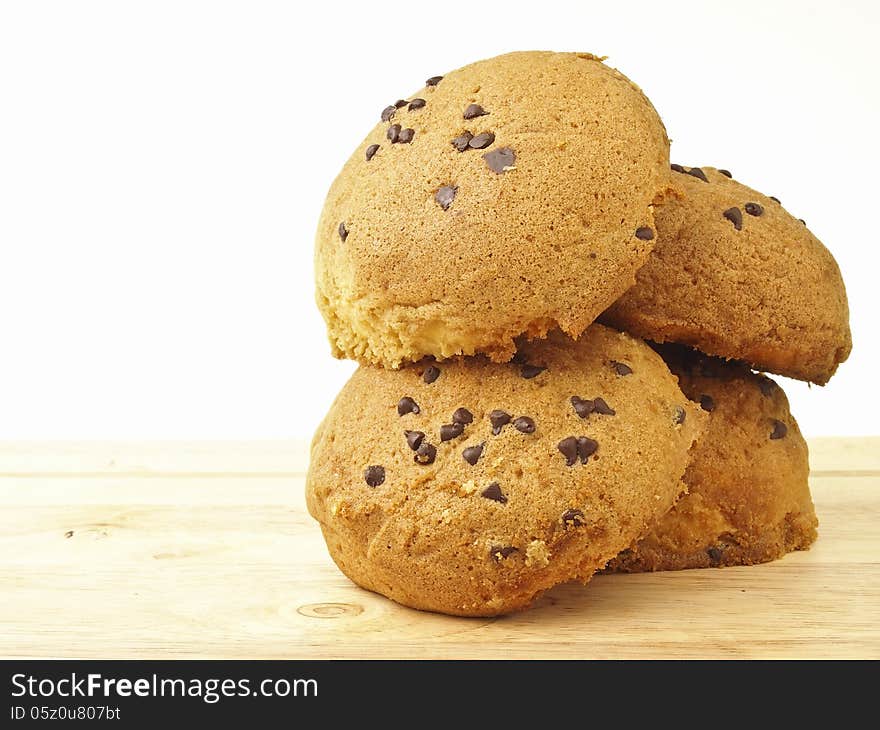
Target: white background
(163, 165)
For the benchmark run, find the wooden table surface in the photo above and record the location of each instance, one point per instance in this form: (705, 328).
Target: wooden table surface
(189, 550)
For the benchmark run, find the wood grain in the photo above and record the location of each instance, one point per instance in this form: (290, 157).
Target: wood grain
(206, 550)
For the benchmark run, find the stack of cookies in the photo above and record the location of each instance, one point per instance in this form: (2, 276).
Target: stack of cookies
(557, 332)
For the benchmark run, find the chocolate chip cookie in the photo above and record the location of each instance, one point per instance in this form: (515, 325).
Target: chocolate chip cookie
(509, 197)
(749, 499)
(733, 274)
(470, 487)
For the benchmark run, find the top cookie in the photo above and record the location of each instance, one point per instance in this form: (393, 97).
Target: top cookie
(733, 274)
(505, 198)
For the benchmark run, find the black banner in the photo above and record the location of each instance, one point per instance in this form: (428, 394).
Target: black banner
(142, 693)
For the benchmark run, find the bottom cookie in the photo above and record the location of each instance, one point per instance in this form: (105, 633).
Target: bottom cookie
(470, 487)
(748, 495)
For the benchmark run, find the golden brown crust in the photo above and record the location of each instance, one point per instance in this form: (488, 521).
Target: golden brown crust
(748, 495)
(549, 241)
(769, 293)
(440, 536)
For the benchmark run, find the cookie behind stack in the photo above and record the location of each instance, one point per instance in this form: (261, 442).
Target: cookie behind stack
(481, 455)
(748, 496)
(734, 274)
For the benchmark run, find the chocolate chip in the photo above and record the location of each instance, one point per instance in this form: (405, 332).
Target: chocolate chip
(400, 103)
(779, 430)
(406, 136)
(644, 234)
(426, 453)
(707, 403)
(678, 415)
(462, 142)
(388, 112)
(621, 368)
(493, 491)
(431, 374)
(416, 104)
(407, 405)
(677, 168)
(586, 448)
(473, 111)
(774, 199)
(767, 386)
(754, 209)
(568, 447)
(735, 216)
(449, 431)
(714, 555)
(462, 415)
(499, 552)
(531, 371)
(371, 151)
(481, 141)
(472, 454)
(343, 231)
(433, 81)
(499, 419)
(414, 439)
(445, 195)
(726, 173)
(698, 173)
(600, 406)
(393, 133)
(802, 221)
(524, 424)
(573, 518)
(374, 475)
(500, 160)
(582, 407)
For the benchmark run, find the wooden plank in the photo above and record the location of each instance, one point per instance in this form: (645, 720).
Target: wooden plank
(838, 455)
(178, 489)
(130, 565)
(154, 458)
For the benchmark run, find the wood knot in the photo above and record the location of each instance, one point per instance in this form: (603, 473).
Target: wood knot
(330, 610)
